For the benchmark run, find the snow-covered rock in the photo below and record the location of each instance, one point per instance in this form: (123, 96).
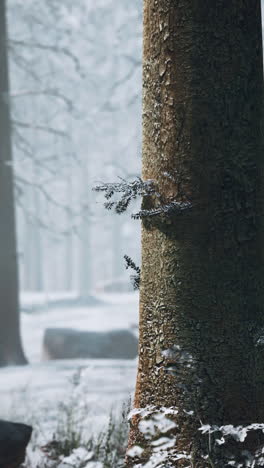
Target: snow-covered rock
(14, 439)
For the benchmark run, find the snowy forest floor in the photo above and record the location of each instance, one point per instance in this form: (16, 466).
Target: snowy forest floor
(68, 396)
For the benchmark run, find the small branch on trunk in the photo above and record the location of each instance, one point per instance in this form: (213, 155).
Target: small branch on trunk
(134, 278)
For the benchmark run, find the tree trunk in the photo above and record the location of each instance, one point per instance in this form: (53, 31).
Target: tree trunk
(10, 343)
(36, 230)
(85, 253)
(85, 260)
(201, 294)
(118, 267)
(69, 264)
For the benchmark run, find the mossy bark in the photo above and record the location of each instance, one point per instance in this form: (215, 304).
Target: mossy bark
(201, 293)
(11, 351)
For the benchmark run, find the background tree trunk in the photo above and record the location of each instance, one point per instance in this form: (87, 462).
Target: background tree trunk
(118, 256)
(69, 241)
(201, 294)
(85, 280)
(10, 344)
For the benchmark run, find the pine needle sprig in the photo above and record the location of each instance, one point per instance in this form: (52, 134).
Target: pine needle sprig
(172, 208)
(129, 190)
(134, 278)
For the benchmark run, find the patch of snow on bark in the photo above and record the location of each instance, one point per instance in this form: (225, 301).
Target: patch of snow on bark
(135, 451)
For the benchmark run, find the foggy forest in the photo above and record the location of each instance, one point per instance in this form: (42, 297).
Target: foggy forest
(131, 234)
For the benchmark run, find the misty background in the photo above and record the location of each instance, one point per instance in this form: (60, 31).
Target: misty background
(75, 101)
(75, 79)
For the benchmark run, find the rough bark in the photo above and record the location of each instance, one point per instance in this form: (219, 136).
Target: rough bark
(10, 343)
(201, 293)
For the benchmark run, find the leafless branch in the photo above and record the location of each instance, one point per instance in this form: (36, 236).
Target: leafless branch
(44, 92)
(48, 47)
(42, 128)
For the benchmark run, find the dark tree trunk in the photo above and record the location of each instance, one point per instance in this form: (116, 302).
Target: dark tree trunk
(201, 298)
(10, 343)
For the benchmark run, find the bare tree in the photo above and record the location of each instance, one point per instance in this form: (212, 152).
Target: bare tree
(11, 351)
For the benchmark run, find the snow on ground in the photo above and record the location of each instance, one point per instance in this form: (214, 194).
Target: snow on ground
(36, 393)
